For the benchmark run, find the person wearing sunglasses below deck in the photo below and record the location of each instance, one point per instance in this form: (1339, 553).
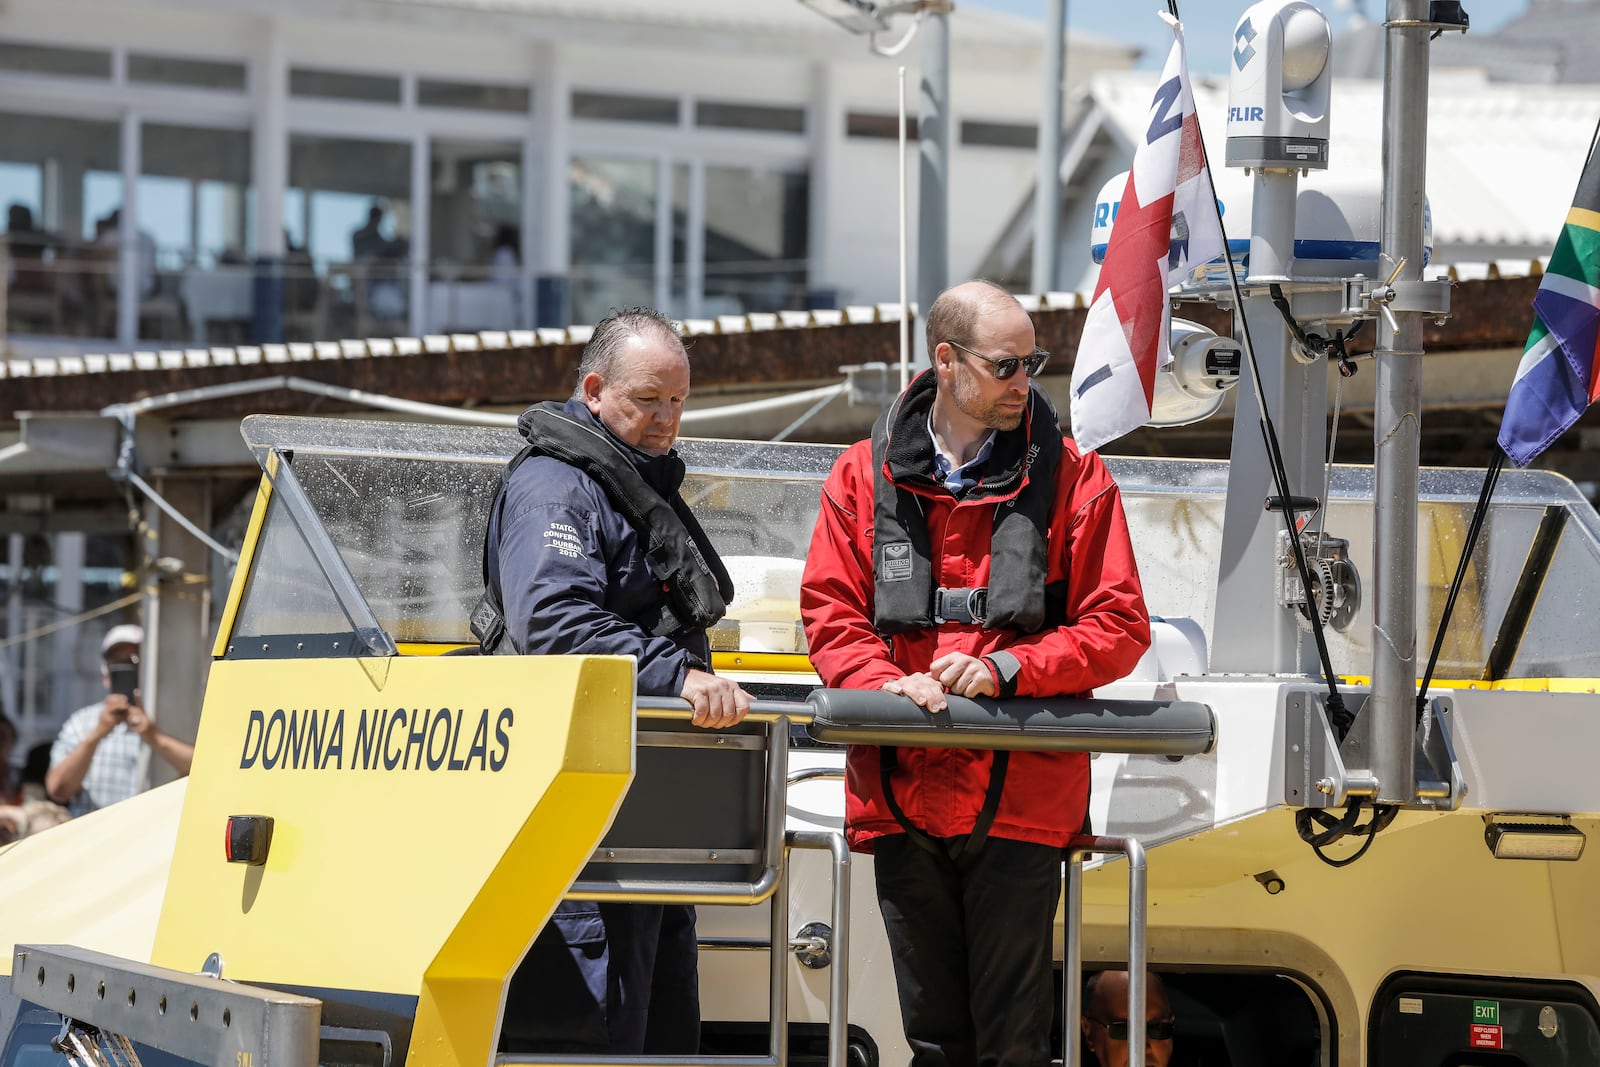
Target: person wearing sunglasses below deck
(968, 548)
(1105, 1020)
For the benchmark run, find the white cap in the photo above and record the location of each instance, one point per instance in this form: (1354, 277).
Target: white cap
(126, 634)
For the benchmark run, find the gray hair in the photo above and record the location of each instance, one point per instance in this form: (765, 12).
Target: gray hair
(611, 335)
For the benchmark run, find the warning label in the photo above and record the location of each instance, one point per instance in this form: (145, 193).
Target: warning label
(1485, 1036)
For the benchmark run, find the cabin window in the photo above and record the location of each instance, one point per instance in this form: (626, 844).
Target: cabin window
(749, 117)
(878, 127)
(1242, 1019)
(1446, 1020)
(22, 58)
(620, 107)
(343, 85)
(193, 73)
(474, 96)
(1000, 134)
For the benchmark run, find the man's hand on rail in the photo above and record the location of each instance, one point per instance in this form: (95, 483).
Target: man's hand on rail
(922, 688)
(717, 702)
(964, 675)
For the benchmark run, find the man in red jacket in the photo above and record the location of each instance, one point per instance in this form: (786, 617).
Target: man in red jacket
(967, 548)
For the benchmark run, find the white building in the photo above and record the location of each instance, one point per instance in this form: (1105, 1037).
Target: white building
(414, 166)
(1503, 162)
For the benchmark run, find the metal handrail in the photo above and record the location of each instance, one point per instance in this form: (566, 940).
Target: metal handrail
(1079, 847)
(839, 980)
(664, 891)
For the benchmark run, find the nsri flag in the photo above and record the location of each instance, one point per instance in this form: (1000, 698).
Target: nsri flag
(1165, 226)
(1558, 376)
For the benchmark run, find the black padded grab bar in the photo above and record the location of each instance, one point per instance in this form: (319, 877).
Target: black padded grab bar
(1056, 724)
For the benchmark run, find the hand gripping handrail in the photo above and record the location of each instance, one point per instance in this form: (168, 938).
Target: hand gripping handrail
(1056, 724)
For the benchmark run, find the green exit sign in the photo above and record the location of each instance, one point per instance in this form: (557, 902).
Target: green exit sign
(1486, 1012)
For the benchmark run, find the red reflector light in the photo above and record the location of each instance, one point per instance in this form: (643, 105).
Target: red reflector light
(248, 839)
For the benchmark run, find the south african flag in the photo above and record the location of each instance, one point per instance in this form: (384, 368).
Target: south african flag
(1559, 376)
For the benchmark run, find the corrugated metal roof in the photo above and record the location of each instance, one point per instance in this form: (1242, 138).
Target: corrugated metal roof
(279, 355)
(1503, 159)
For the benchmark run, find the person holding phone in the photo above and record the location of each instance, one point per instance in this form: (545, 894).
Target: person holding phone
(95, 759)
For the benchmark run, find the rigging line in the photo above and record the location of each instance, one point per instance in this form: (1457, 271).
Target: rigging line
(1491, 475)
(1327, 469)
(64, 624)
(177, 516)
(1341, 718)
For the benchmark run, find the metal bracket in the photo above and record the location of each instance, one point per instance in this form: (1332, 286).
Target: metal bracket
(1314, 774)
(1366, 297)
(1317, 770)
(195, 1017)
(813, 945)
(1429, 297)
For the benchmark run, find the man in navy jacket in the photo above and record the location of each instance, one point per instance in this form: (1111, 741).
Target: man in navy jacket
(566, 561)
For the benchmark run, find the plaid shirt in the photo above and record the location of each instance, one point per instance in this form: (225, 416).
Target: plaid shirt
(114, 770)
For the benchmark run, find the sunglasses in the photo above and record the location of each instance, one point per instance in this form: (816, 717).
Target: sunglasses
(1154, 1029)
(1003, 369)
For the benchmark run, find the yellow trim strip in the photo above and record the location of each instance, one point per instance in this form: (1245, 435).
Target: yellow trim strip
(1582, 216)
(1505, 685)
(428, 648)
(770, 662)
(241, 570)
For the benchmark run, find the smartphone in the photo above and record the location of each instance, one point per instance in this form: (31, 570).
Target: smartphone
(124, 678)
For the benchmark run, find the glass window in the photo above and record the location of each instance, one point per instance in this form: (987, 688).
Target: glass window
(198, 73)
(475, 237)
(1000, 134)
(756, 223)
(878, 127)
(750, 117)
(61, 183)
(194, 199)
(615, 107)
(347, 213)
(342, 85)
(51, 59)
(475, 95)
(613, 235)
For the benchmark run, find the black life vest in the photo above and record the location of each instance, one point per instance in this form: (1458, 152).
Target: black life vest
(902, 455)
(696, 585)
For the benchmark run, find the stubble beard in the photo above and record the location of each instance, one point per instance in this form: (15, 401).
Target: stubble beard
(988, 413)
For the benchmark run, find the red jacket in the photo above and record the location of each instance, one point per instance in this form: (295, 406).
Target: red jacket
(941, 790)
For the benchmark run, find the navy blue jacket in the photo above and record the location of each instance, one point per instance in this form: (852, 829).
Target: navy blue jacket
(571, 574)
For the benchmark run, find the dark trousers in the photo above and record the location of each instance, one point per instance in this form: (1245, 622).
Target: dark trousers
(970, 938)
(623, 978)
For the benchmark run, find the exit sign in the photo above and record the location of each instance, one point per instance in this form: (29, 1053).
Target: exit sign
(1486, 1012)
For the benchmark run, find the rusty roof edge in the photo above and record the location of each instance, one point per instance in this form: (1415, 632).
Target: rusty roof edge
(280, 358)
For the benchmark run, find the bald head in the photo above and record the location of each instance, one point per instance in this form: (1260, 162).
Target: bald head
(1106, 1001)
(956, 312)
(1108, 994)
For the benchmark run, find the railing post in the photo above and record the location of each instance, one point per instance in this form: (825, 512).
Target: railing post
(1072, 949)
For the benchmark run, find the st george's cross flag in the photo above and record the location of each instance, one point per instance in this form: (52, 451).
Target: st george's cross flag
(1165, 226)
(1559, 376)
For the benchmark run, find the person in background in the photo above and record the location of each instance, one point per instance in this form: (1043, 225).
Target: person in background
(109, 236)
(24, 809)
(95, 759)
(505, 268)
(1105, 1019)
